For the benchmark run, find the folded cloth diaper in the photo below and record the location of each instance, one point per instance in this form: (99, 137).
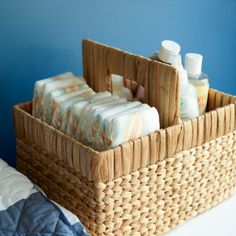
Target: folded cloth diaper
(88, 127)
(96, 105)
(39, 89)
(99, 136)
(127, 126)
(85, 114)
(63, 105)
(57, 89)
(76, 111)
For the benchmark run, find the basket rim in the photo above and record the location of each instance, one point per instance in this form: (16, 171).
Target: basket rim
(134, 154)
(23, 104)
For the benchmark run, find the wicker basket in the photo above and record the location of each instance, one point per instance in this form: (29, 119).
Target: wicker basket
(146, 186)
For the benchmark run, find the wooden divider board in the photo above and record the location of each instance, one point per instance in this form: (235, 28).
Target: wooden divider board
(160, 81)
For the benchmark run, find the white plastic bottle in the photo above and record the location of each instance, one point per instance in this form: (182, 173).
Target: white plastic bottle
(193, 65)
(169, 53)
(188, 98)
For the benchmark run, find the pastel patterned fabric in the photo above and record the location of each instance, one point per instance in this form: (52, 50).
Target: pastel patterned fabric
(64, 104)
(93, 133)
(56, 89)
(96, 107)
(79, 109)
(39, 89)
(129, 126)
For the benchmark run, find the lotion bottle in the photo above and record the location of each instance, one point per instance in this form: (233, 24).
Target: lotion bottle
(193, 65)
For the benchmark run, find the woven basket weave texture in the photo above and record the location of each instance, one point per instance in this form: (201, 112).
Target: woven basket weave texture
(146, 186)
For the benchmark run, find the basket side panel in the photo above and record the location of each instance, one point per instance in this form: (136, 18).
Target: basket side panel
(218, 99)
(149, 201)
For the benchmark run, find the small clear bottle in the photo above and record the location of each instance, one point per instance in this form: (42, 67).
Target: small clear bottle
(193, 65)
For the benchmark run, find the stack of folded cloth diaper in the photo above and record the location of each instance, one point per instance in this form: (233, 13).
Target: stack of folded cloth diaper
(100, 120)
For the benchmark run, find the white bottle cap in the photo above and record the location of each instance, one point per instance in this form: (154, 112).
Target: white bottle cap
(193, 63)
(168, 49)
(117, 81)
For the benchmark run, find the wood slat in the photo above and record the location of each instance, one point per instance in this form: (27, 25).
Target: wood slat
(161, 95)
(111, 164)
(67, 150)
(235, 115)
(218, 99)
(104, 169)
(114, 60)
(208, 126)
(232, 117)
(88, 62)
(201, 130)
(146, 91)
(154, 87)
(174, 113)
(220, 122)
(100, 69)
(145, 151)
(163, 145)
(118, 162)
(174, 135)
(187, 139)
(225, 100)
(95, 166)
(153, 148)
(82, 160)
(129, 63)
(194, 131)
(232, 99)
(76, 156)
(88, 160)
(142, 72)
(137, 154)
(214, 124)
(227, 119)
(211, 100)
(127, 157)
(168, 102)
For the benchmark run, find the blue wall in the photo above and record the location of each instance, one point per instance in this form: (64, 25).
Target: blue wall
(41, 38)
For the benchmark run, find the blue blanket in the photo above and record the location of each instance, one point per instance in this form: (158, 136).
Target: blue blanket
(33, 215)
